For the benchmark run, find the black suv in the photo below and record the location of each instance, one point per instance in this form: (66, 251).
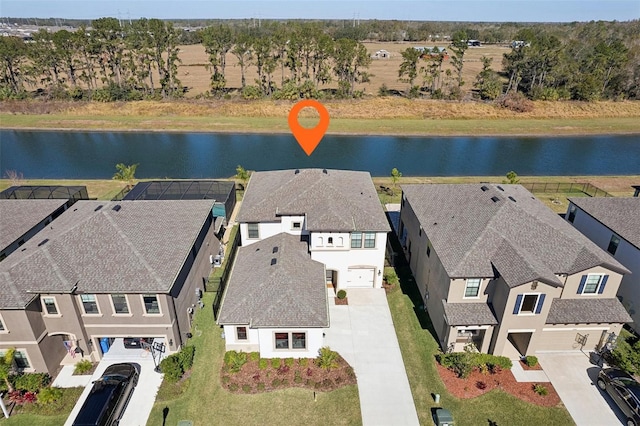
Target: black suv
(108, 397)
(625, 392)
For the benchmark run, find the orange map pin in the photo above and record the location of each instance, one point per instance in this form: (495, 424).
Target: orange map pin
(308, 138)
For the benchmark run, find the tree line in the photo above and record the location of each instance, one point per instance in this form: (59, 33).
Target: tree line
(113, 60)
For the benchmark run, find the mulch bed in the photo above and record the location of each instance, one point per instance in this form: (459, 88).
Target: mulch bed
(478, 384)
(526, 367)
(303, 373)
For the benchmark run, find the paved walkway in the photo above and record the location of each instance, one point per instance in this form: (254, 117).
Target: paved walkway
(522, 375)
(574, 378)
(362, 332)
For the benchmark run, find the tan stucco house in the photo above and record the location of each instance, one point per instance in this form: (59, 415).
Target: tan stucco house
(105, 270)
(498, 269)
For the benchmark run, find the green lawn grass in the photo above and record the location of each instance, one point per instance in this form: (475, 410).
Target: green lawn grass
(418, 347)
(205, 402)
(427, 127)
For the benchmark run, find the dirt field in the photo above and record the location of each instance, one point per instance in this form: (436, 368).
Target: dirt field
(194, 75)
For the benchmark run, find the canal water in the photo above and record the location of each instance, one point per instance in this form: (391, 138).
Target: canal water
(93, 155)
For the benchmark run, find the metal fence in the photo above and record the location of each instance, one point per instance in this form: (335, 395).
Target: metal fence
(567, 187)
(220, 283)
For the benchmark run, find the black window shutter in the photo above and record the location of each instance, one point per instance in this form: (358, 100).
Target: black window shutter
(540, 302)
(602, 284)
(581, 286)
(516, 308)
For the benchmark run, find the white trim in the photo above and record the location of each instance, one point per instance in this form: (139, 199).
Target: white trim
(525, 330)
(99, 314)
(577, 329)
(113, 308)
(144, 307)
(5, 329)
(535, 305)
(44, 307)
(128, 325)
(472, 327)
(290, 341)
(466, 283)
(595, 293)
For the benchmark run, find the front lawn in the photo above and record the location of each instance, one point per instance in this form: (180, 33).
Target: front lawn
(418, 346)
(205, 402)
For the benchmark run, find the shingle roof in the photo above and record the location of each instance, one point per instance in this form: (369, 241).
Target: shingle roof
(139, 248)
(17, 217)
(274, 283)
(503, 227)
(469, 314)
(620, 214)
(581, 311)
(333, 200)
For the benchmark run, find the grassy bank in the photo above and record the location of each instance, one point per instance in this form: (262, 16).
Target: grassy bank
(365, 116)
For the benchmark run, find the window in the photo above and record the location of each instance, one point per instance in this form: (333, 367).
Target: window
(253, 230)
(89, 304)
(296, 225)
(151, 305)
(241, 333)
(298, 340)
(356, 239)
(369, 240)
(572, 213)
(2, 327)
(428, 249)
(50, 306)
(120, 305)
(592, 284)
(282, 340)
(472, 288)
(20, 358)
(330, 241)
(528, 304)
(613, 244)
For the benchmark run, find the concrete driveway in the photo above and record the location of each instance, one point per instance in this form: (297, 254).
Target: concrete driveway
(363, 333)
(574, 378)
(144, 395)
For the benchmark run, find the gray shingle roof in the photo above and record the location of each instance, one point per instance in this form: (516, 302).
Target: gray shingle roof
(274, 283)
(469, 314)
(581, 311)
(17, 217)
(516, 234)
(338, 200)
(620, 214)
(140, 248)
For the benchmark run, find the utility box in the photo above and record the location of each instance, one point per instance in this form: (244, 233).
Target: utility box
(443, 417)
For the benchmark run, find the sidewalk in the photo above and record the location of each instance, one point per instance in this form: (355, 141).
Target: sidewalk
(363, 333)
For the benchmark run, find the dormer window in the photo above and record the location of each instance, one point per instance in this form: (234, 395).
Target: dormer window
(296, 226)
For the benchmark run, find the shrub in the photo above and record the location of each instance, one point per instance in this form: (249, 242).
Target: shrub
(225, 379)
(327, 383)
(390, 276)
(341, 294)
(235, 360)
(252, 92)
(515, 101)
(540, 390)
(171, 368)
(303, 362)
(185, 356)
(31, 382)
(288, 362)
(275, 383)
(256, 377)
(49, 395)
(263, 363)
(383, 90)
(481, 385)
(82, 366)
(261, 386)
(275, 363)
(327, 358)
(233, 387)
(283, 369)
(246, 388)
(254, 356)
(531, 360)
(20, 398)
(297, 377)
(626, 354)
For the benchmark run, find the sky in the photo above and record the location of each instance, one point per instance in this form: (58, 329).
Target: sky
(426, 10)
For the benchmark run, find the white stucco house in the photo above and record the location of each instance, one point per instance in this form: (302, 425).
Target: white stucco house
(613, 223)
(305, 233)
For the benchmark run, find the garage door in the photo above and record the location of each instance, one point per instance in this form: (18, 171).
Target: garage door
(360, 277)
(569, 340)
